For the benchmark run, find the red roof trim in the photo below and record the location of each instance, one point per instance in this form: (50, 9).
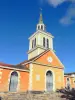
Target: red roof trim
(3, 64)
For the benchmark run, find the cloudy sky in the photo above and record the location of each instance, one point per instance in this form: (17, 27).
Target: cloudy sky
(69, 16)
(18, 20)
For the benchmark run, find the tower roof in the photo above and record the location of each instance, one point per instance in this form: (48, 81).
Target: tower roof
(41, 19)
(41, 25)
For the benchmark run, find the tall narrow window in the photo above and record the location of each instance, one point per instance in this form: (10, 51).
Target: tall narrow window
(38, 27)
(41, 27)
(35, 42)
(32, 43)
(47, 43)
(44, 41)
(68, 83)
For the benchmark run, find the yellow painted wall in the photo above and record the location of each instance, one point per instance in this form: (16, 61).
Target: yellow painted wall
(35, 53)
(41, 70)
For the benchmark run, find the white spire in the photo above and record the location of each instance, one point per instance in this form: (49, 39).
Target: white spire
(40, 25)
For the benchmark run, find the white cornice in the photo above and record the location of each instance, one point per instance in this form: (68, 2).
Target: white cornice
(39, 31)
(38, 46)
(48, 65)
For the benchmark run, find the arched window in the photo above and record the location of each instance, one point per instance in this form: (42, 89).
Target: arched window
(68, 83)
(44, 41)
(13, 82)
(33, 43)
(47, 43)
(41, 27)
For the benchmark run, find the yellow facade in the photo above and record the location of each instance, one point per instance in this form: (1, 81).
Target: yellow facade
(40, 85)
(39, 68)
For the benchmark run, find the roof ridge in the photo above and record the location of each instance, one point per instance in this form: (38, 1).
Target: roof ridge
(34, 58)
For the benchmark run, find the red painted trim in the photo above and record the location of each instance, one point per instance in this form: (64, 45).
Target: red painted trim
(3, 64)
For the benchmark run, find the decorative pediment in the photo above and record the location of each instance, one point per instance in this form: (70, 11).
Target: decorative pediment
(49, 58)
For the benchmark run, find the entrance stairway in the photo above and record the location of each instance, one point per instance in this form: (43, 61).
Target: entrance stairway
(31, 96)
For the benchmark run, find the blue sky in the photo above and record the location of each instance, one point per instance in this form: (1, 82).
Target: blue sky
(18, 19)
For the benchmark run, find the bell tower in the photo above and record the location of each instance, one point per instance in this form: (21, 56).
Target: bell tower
(40, 41)
(40, 25)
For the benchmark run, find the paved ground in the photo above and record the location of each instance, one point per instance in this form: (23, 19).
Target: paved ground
(29, 96)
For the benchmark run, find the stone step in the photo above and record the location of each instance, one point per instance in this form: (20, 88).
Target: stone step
(29, 96)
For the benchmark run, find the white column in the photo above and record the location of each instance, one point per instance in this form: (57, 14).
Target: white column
(30, 77)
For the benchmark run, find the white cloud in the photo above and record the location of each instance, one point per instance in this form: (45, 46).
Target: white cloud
(66, 21)
(69, 18)
(55, 3)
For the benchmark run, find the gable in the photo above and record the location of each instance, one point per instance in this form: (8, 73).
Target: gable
(50, 58)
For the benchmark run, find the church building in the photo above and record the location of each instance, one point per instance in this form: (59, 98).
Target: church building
(43, 71)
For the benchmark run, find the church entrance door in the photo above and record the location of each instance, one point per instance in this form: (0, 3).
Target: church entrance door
(49, 81)
(13, 82)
